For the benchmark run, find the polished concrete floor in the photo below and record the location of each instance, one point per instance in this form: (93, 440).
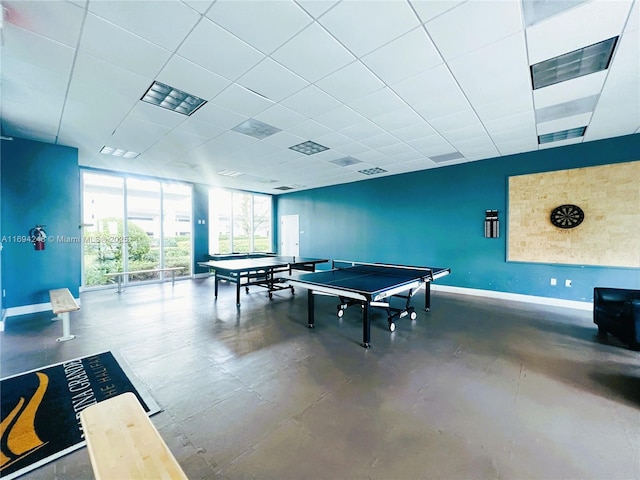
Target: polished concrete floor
(475, 389)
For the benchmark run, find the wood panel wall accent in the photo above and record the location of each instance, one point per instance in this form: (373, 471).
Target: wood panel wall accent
(609, 195)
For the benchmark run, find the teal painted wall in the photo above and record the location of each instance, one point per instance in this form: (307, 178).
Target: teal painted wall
(40, 185)
(436, 218)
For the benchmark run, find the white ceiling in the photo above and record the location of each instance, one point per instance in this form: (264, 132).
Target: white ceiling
(398, 85)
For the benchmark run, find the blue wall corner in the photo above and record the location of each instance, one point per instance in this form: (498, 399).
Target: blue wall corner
(40, 186)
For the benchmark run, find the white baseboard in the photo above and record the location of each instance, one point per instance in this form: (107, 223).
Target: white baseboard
(516, 297)
(35, 308)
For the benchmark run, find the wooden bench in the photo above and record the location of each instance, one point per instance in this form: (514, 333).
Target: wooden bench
(62, 302)
(124, 444)
(119, 276)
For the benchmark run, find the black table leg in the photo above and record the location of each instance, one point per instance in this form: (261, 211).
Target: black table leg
(366, 326)
(310, 309)
(215, 277)
(427, 297)
(238, 290)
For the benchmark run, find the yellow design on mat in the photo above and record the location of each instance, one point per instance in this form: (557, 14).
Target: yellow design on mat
(21, 437)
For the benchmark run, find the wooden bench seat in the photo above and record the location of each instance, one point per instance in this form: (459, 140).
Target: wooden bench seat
(62, 302)
(123, 443)
(119, 276)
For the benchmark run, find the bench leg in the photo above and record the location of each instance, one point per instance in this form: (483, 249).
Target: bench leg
(66, 328)
(120, 289)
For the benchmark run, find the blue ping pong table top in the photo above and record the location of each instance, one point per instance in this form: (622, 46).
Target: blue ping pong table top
(267, 261)
(370, 279)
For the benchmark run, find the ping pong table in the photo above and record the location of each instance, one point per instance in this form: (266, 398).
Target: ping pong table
(259, 270)
(369, 285)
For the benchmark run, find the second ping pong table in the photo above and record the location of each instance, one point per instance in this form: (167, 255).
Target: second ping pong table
(369, 285)
(260, 270)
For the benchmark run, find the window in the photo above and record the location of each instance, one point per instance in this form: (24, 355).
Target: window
(239, 222)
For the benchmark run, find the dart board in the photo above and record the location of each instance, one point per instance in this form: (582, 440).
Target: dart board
(567, 216)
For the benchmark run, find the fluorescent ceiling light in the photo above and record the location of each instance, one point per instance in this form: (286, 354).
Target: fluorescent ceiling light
(119, 152)
(561, 135)
(372, 171)
(229, 173)
(256, 129)
(583, 61)
(309, 147)
(283, 188)
(172, 99)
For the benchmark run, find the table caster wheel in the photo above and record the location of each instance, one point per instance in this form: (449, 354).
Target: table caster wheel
(392, 327)
(270, 296)
(413, 315)
(246, 289)
(340, 312)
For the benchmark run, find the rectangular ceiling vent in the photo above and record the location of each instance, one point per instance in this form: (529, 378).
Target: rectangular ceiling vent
(345, 161)
(568, 66)
(172, 99)
(446, 157)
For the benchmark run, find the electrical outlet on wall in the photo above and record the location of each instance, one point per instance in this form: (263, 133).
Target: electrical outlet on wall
(567, 283)
(554, 281)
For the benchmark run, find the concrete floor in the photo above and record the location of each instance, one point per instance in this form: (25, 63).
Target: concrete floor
(476, 389)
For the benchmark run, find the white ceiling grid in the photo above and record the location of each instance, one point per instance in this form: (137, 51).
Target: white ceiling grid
(394, 84)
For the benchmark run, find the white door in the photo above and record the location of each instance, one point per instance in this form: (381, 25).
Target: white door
(290, 235)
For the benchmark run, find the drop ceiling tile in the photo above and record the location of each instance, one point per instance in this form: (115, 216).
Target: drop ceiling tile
(432, 146)
(524, 120)
(152, 113)
(309, 130)
(378, 103)
(419, 130)
(432, 93)
(284, 139)
(310, 102)
(362, 130)
(119, 47)
(433, 8)
(175, 144)
(398, 119)
(382, 140)
(199, 128)
(454, 134)
(215, 114)
(316, 8)
(30, 61)
(136, 135)
(339, 118)
(454, 121)
(350, 82)
(365, 26)
(264, 25)
(354, 149)
(217, 50)
(240, 100)
(61, 22)
(458, 31)
(333, 140)
(280, 117)
(564, 123)
(578, 27)
(491, 74)
(200, 6)
(272, 80)
(185, 75)
(166, 26)
(404, 57)
(313, 54)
